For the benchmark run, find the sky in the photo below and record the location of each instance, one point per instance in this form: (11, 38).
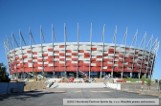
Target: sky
(144, 15)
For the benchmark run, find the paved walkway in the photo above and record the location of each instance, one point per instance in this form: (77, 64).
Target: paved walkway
(54, 97)
(86, 85)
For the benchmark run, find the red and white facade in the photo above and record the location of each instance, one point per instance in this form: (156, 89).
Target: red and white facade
(85, 56)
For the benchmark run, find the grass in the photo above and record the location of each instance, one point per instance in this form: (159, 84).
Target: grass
(146, 80)
(133, 79)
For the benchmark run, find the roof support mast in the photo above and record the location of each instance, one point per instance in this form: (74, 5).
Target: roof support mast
(114, 42)
(143, 52)
(134, 42)
(149, 45)
(78, 36)
(14, 42)
(32, 41)
(53, 40)
(134, 39)
(65, 38)
(103, 32)
(153, 50)
(90, 52)
(42, 52)
(22, 39)
(6, 46)
(124, 43)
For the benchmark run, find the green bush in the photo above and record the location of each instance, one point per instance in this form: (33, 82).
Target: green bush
(143, 78)
(132, 79)
(148, 82)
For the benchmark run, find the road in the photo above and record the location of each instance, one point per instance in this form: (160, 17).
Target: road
(54, 97)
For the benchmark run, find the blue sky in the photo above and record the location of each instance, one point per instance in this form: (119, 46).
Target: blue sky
(144, 15)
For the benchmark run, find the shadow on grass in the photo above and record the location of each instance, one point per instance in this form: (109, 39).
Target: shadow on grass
(25, 95)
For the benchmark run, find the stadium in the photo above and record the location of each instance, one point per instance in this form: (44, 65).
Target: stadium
(94, 59)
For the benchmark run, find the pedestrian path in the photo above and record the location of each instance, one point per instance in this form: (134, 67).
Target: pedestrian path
(86, 85)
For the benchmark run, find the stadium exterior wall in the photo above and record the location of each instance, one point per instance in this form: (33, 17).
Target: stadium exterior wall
(118, 60)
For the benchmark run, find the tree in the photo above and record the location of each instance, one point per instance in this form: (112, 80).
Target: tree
(3, 74)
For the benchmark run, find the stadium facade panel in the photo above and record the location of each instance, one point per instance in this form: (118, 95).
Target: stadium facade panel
(99, 58)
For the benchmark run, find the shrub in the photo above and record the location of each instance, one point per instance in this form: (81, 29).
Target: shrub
(149, 82)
